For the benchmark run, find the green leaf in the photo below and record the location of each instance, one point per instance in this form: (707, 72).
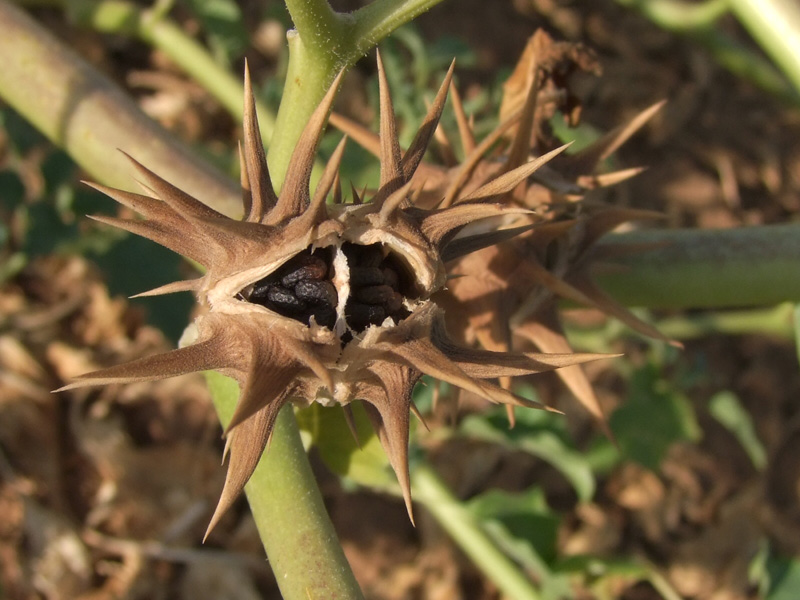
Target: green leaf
(653, 418)
(367, 465)
(526, 529)
(539, 433)
(726, 408)
(604, 574)
(784, 579)
(522, 517)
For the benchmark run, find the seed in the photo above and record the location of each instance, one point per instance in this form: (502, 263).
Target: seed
(390, 278)
(317, 292)
(394, 304)
(361, 276)
(360, 316)
(368, 256)
(284, 299)
(374, 294)
(304, 268)
(324, 315)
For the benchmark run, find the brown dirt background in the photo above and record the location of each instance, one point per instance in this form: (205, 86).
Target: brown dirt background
(106, 493)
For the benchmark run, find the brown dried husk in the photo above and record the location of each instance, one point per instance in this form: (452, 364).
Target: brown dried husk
(276, 359)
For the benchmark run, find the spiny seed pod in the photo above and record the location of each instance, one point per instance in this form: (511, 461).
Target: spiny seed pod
(508, 295)
(331, 303)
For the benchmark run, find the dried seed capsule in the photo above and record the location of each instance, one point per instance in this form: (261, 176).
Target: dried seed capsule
(361, 276)
(373, 294)
(369, 256)
(304, 268)
(317, 292)
(284, 300)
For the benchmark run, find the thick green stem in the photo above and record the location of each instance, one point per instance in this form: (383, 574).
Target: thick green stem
(678, 15)
(83, 112)
(303, 550)
(307, 79)
(121, 17)
(697, 21)
(317, 51)
(317, 24)
(379, 18)
(775, 24)
(462, 527)
(750, 266)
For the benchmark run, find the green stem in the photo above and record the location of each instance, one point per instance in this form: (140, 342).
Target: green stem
(773, 321)
(304, 553)
(467, 533)
(318, 51)
(379, 18)
(749, 266)
(775, 24)
(317, 24)
(679, 16)
(85, 113)
(121, 17)
(697, 22)
(308, 77)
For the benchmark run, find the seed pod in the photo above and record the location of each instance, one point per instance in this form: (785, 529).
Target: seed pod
(285, 342)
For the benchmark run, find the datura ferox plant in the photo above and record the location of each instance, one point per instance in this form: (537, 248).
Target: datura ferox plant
(312, 299)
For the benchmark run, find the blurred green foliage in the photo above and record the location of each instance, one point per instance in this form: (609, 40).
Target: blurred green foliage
(48, 216)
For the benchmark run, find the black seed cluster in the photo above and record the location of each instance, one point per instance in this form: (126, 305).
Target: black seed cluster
(300, 289)
(376, 287)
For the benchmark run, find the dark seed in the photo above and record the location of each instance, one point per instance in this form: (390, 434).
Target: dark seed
(317, 292)
(361, 276)
(390, 278)
(359, 316)
(394, 304)
(374, 294)
(370, 256)
(259, 293)
(324, 315)
(304, 268)
(285, 300)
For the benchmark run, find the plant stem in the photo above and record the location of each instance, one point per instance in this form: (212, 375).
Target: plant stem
(774, 321)
(697, 21)
(308, 77)
(775, 24)
(467, 533)
(749, 266)
(317, 51)
(378, 19)
(320, 28)
(680, 16)
(121, 17)
(83, 112)
(304, 553)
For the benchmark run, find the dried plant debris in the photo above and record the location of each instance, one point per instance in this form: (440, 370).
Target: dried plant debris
(314, 302)
(134, 463)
